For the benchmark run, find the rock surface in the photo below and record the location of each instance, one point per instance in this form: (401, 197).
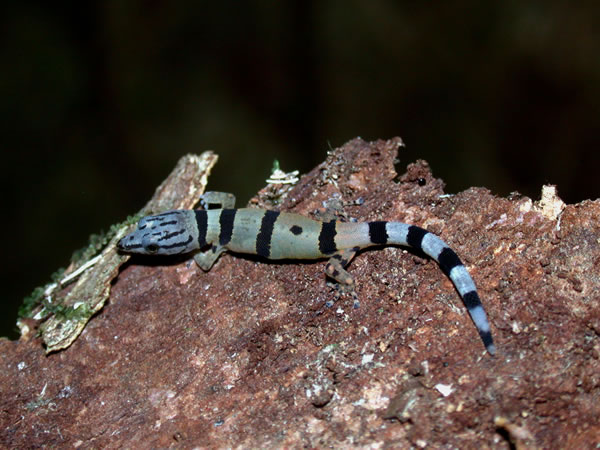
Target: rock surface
(247, 355)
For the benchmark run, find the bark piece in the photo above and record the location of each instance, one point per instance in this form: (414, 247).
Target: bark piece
(181, 190)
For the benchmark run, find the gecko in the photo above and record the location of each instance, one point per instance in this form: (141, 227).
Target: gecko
(274, 235)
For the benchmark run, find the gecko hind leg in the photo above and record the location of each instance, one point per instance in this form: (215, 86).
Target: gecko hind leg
(223, 200)
(333, 209)
(335, 269)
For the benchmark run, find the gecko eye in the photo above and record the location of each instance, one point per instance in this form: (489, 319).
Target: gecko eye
(151, 248)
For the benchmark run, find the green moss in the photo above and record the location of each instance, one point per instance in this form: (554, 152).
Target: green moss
(67, 312)
(31, 301)
(37, 295)
(96, 243)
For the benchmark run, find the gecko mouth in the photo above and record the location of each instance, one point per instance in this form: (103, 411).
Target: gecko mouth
(121, 245)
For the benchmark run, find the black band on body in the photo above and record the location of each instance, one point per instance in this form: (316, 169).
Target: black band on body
(378, 233)
(415, 236)
(448, 260)
(226, 221)
(327, 238)
(263, 239)
(202, 225)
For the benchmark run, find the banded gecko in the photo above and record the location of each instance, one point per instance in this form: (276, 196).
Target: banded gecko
(279, 235)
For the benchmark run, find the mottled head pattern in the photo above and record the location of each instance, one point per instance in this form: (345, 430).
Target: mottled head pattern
(169, 233)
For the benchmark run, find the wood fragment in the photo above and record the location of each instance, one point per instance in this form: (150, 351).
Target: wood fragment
(181, 190)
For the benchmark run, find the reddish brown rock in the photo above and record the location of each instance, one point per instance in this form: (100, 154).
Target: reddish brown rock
(248, 355)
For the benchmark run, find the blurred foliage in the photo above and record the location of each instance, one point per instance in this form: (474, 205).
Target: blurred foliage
(100, 99)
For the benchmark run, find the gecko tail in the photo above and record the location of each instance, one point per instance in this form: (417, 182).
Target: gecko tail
(421, 239)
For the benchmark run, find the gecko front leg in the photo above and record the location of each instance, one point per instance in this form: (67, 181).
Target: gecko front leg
(207, 259)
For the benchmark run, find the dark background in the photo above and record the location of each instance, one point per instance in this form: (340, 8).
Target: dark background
(98, 100)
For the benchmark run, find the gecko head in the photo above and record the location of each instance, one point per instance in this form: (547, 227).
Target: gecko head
(168, 233)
